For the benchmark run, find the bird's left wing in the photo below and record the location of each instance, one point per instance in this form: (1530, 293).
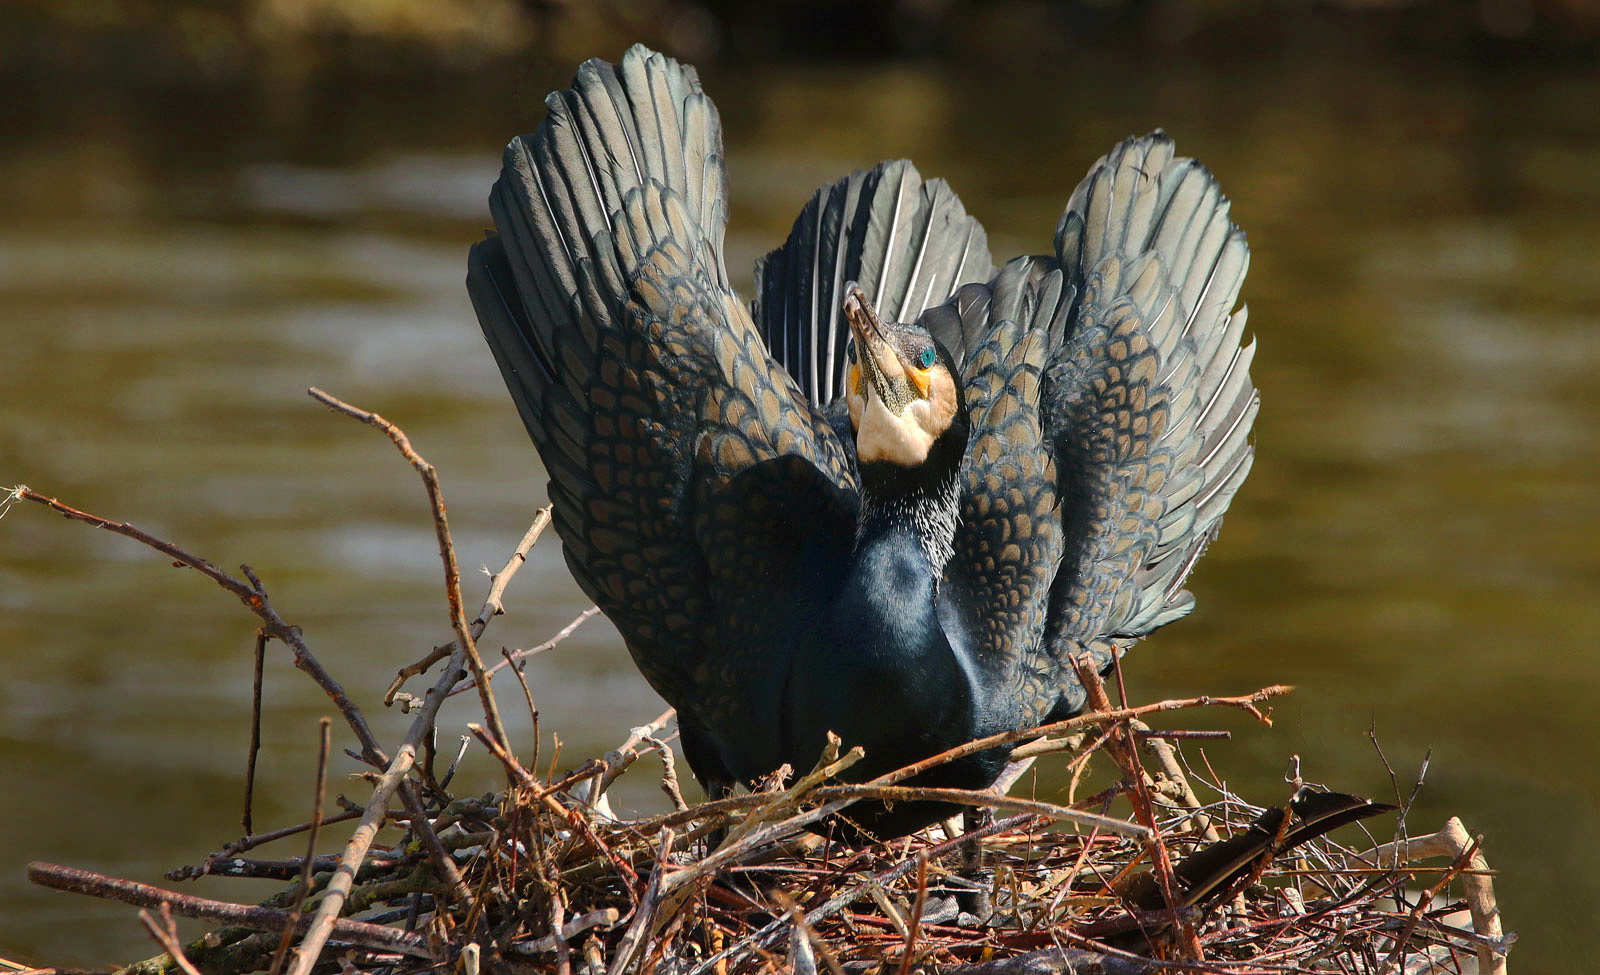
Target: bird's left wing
(639, 374)
(1148, 403)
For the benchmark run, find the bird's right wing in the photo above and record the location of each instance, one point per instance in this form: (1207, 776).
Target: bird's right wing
(1148, 403)
(639, 374)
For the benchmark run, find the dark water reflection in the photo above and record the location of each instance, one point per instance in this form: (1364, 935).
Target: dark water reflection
(1414, 549)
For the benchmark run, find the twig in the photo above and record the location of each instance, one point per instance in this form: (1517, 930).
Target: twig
(1127, 757)
(644, 918)
(850, 894)
(447, 549)
(261, 839)
(618, 760)
(515, 657)
(1167, 757)
(166, 935)
(492, 605)
(254, 596)
(544, 794)
(325, 741)
(355, 850)
(255, 731)
(978, 797)
(1245, 702)
(916, 915)
(569, 930)
(93, 884)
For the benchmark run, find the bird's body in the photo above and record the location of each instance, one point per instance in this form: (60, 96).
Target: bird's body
(895, 511)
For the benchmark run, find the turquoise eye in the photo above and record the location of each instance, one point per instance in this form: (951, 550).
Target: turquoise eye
(928, 355)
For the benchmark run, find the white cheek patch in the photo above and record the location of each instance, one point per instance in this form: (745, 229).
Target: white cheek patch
(880, 435)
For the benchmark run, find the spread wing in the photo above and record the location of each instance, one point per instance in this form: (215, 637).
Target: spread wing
(909, 244)
(642, 379)
(1148, 403)
(1111, 410)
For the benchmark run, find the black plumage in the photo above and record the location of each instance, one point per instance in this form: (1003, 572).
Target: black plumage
(892, 509)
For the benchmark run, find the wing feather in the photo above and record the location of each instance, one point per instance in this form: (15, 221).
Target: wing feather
(1148, 403)
(639, 375)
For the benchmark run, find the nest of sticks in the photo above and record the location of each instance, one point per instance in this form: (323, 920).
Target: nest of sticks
(543, 876)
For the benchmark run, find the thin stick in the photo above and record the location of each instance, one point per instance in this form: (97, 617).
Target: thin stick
(255, 731)
(851, 894)
(644, 918)
(447, 549)
(916, 915)
(1245, 702)
(355, 850)
(325, 742)
(546, 794)
(251, 842)
(515, 657)
(1454, 841)
(977, 797)
(166, 935)
(93, 884)
(254, 596)
(1127, 757)
(492, 605)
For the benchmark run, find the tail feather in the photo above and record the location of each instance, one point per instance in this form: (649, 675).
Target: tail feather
(909, 244)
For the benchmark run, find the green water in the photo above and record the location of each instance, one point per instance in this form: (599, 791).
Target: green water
(1414, 550)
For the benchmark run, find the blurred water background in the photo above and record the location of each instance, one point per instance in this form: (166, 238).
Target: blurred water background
(209, 207)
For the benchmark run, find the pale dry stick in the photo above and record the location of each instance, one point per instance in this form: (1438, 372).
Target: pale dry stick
(669, 775)
(93, 884)
(619, 759)
(492, 606)
(447, 549)
(516, 657)
(571, 929)
(1166, 756)
(1396, 957)
(797, 917)
(254, 596)
(166, 935)
(1476, 880)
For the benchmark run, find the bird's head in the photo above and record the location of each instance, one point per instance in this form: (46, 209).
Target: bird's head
(905, 401)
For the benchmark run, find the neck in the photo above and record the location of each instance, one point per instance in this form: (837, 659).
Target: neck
(892, 513)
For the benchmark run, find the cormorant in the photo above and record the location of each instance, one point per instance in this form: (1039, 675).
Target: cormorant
(894, 495)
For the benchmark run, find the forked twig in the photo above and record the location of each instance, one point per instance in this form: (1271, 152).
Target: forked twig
(447, 549)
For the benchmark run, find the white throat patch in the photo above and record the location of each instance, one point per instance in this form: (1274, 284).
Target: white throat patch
(880, 435)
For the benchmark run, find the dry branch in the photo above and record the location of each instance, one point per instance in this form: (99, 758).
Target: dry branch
(76, 881)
